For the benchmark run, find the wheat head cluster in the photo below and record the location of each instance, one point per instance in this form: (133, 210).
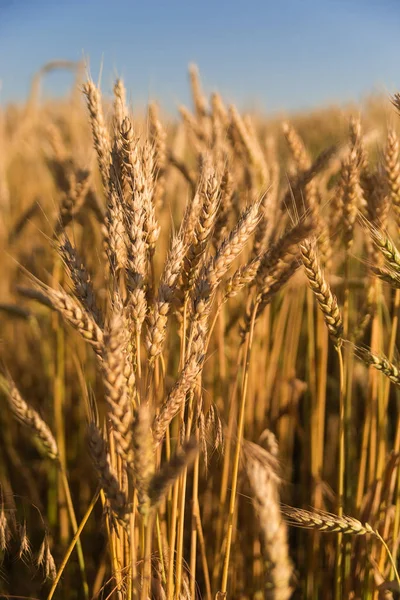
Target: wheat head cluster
(199, 376)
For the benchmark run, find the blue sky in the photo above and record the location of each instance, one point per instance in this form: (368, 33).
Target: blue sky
(278, 54)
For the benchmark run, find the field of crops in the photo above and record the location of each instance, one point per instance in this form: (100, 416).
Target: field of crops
(199, 376)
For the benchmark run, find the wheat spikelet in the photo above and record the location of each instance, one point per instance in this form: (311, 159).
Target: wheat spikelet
(83, 288)
(392, 170)
(139, 216)
(75, 185)
(285, 244)
(278, 276)
(350, 193)
(107, 477)
(388, 275)
(325, 522)
(115, 231)
(385, 245)
(117, 395)
(100, 134)
(158, 139)
(197, 134)
(168, 281)
(249, 143)
(143, 460)
(284, 270)
(232, 245)
(5, 532)
(152, 227)
(200, 102)
(30, 418)
(261, 469)
(297, 148)
(380, 363)
(169, 473)
(71, 311)
(225, 206)
(326, 299)
(210, 195)
(120, 110)
(177, 396)
(24, 543)
(242, 277)
(45, 559)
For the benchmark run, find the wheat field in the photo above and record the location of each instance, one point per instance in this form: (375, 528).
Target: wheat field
(199, 374)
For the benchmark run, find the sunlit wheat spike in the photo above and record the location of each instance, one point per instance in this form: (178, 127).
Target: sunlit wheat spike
(210, 195)
(297, 148)
(200, 102)
(392, 170)
(327, 301)
(157, 322)
(233, 245)
(120, 109)
(100, 134)
(384, 244)
(71, 311)
(380, 363)
(177, 396)
(287, 243)
(325, 522)
(350, 193)
(114, 367)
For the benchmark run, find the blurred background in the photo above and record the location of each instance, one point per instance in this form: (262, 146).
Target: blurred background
(288, 55)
